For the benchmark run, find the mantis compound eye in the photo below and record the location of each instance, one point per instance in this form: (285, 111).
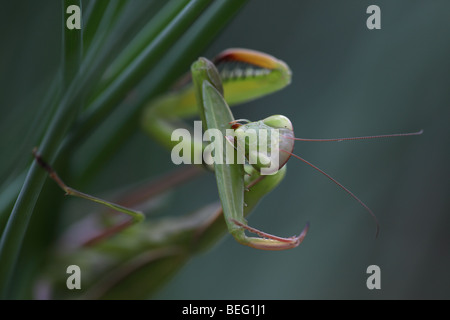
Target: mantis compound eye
(286, 135)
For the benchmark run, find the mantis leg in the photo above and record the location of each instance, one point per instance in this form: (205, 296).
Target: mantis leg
(136, 216)
(268, 241)
(257, 187)
(136, 197)
(143, 194)
(245, 75)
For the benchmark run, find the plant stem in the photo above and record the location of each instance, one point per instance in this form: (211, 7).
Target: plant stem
(139, 67)
(14, 233)
(147, 34)
(179, 58)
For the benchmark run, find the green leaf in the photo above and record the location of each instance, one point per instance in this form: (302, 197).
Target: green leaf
(16, 227)
(169, 68)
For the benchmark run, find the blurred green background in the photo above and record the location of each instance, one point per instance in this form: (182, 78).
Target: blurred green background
(347, 81)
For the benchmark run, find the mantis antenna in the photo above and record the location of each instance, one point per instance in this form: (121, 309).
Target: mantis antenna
(359, 138)
(337, 182)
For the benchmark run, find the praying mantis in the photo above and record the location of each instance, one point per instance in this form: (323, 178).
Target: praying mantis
(245, 75)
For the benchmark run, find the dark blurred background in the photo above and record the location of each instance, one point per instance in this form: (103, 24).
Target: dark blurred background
(347, 81)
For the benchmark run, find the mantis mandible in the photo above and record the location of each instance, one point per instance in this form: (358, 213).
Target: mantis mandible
(246, 75)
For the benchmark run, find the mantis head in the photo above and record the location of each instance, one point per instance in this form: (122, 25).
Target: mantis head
(267, 144)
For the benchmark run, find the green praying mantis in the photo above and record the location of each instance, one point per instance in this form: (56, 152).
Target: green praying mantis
(244, 75)
(259, 74)
(214, 91)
